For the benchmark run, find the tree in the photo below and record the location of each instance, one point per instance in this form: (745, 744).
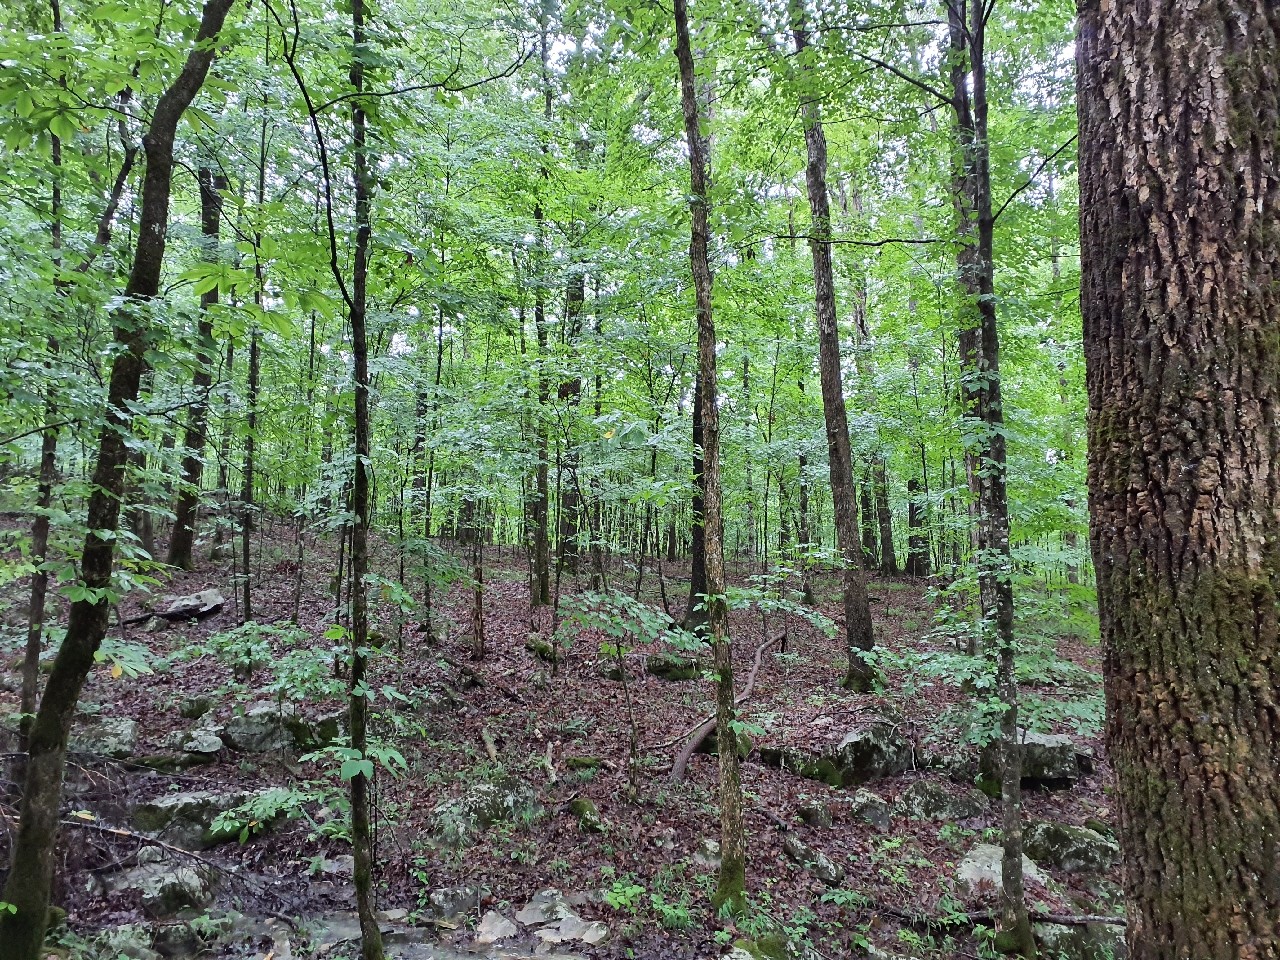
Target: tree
(731, 880)
(28, 887)
(1180, 142)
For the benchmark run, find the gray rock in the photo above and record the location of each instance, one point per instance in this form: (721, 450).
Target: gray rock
(981, 871)
(132, 941)
(1069, 848)
(115, 737)
(931, 800)
(573, 929)
(666, 666)
(449, 906)
(707, 855)
(589, 819)
(459, 821)
(186, 819)
(1049, 761)
(204, 742)
(166, 888)
(870, 808)
(193, 708)
(816, 814)
(1094, 941)
(493, 927)
(265, 728)
(222, 551)
(815, 861)
(867, 753)
(195, 605)
(548, 906)
(340, 866)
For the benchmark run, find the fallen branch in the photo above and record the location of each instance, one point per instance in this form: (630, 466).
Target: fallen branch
(474, 676)
(703, 730)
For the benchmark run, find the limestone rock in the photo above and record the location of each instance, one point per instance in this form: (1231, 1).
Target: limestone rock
(1049, 761)
(589, 819)
(114, 737)
(195, 605)
(186, 819)
(493, 927)
(1069, 848)
(870, 808)
(669, 667)
(707, 855)
(816, 814)
(869, 752)
(981, 872)
(547, 907)
(267, 728)
(166, 888)
(449, 906)
(193, 708)
(815, 861)
(931, 800)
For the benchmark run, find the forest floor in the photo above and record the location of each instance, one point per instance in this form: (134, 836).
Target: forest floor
(640, 865)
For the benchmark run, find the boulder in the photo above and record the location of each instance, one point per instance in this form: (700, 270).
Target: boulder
(816, 814)
(931, 800)
(266, 728)
(165, 888)
(193, 708)
(1050, 761)
(552, 920)
(669, 667)
(202, 745)
(815, 861)
(460, 820)
(493, 927)
(195, 606)
(707, 854)
(980, 872)
(186, 819)
(449, 906)
(867, 753)
(870, 808)
(114, 737)
(589, 819)
(547, 907)
(132, 941)
(1069, 848)
(1094, 941)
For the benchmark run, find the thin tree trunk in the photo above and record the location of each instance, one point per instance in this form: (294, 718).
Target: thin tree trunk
(31, 872)
(731, 881)
(695, 614)
(1179, 202)
(884, 517)
(859, 639)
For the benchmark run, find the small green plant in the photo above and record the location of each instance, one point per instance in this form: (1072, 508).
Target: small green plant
(259, 811)
(624, 895)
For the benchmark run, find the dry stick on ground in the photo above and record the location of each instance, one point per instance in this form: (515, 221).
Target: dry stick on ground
(703, 729)
(473, 675)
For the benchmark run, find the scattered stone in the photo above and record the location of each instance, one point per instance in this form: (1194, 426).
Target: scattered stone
(202, 744)
(547, 907)
(193, 708)
(1094, 941)
(1069, 848)
(395, 915)
(268, 728)
(981, 870)
(343, 866)
(460, 820)
(195, 606)
(493, 927)
(815, 861)
(155, 625)
(870, 808)
(132, 940)
(669, 667)
(930, 800)
(816, 814)
(707, 855)
(450, 906)
(589, 819)
(114, 737)
(540, 648)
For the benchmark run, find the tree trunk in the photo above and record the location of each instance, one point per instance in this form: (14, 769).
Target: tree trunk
(731, 881)
(859, 639)
(917, 539)
(31, 873)
(884, 518)
(185, 510)
(358, 702)
(1179, 201)
(984, 413)
(695, 617)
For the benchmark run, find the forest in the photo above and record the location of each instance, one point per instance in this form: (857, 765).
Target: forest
(762, 479)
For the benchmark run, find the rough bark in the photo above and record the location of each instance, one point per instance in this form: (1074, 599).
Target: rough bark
(917, 539)
(184, 521)
(31, 872)
(695, 617)
(731, 881)
(1180, 198)
(859, 638)
(884, 518)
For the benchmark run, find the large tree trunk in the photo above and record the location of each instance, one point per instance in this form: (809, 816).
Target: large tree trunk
(1180, 198)
(31, 872)
(184, 520)
(731, 881)
(859, 639)
(695, 614)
